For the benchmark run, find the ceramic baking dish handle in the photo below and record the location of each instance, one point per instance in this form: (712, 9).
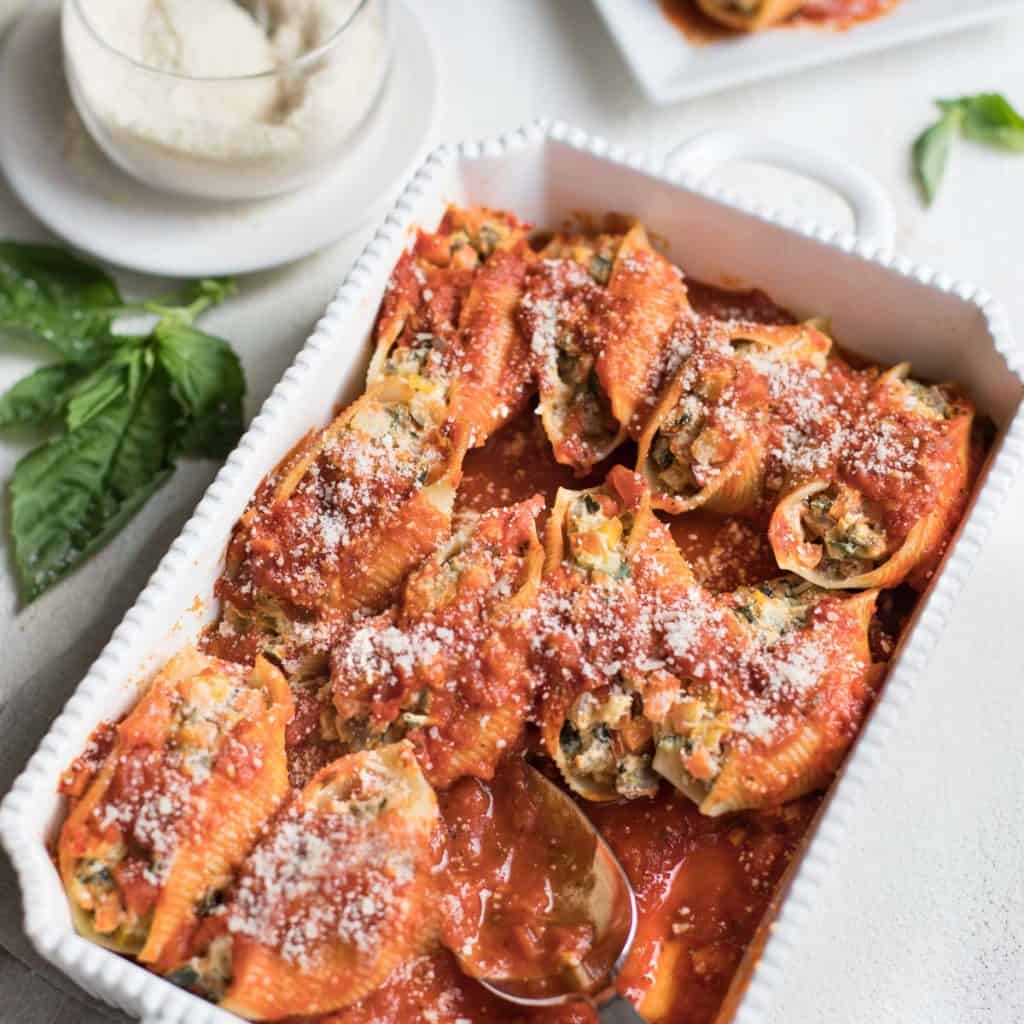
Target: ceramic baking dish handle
(872, 209)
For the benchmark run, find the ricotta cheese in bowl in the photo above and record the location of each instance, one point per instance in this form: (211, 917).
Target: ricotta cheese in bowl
(229, 99)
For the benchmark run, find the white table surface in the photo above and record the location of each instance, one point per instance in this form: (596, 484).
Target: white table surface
(922, 918)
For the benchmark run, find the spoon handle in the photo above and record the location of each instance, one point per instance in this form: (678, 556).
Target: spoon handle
(618, 1010)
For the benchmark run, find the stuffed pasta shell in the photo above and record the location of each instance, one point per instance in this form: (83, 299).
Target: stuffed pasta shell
(645, 297)
(598, 314)
(774, 717)
(705, 441)
(556, 315)
(709, 440)
(886, 512)
(417, 325)
(334, 896)
(448, 669)
(770, 346)
(609, 532)
(609, 564)
(600, 728)
(346, 516)
(195, 771)
(449, 316)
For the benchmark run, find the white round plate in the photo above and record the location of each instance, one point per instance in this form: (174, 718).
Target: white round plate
(63, 178)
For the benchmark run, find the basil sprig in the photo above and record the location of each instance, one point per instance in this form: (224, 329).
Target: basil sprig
(987, 117)
(119, 408)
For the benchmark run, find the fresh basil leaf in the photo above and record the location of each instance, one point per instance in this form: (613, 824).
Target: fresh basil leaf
(40, 397)
(198, 297)
(70, 496)
(989, 117)
(94, 393)
(204, 369)
(147, 444)
(130, 405)
(118, 379)
(209, 385)
(215, 435)
(48, 294)
(931, 153)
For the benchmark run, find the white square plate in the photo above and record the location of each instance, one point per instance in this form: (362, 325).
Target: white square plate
(669, 67)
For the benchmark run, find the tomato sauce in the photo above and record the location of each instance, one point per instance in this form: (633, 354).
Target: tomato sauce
(698, 28)
(508, 864)
(432, 989)
(308, 749)
(739, 304)
(516, 464)
(702, 885)
(724, 552)
(79, 775)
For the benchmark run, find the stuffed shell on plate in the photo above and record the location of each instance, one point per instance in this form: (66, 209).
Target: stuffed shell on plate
(755, 15)
(750, 15)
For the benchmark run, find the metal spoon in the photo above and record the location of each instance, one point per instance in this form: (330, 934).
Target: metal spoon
(605, 901)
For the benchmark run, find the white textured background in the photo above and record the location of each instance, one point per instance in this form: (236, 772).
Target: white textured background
(922, 919)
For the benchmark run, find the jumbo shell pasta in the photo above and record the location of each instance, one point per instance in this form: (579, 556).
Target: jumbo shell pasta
(575, 409)
(195, 771)
(772, 720)
(609, 561)
(448, 668)
(346, 516)
(448, 317)
(709, 440)
(333, 897)
(704, 443)
(646, 296)
(599, 315)
(889, 508)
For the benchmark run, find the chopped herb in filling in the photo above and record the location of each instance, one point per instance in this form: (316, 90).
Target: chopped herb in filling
(852, 540)
(606, 743)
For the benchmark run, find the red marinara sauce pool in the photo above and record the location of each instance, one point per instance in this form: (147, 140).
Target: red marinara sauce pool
(505, 870)
(702, 885)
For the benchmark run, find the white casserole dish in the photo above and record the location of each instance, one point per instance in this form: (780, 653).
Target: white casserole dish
(885, 308)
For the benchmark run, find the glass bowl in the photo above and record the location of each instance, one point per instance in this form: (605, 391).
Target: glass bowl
(222, 134)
